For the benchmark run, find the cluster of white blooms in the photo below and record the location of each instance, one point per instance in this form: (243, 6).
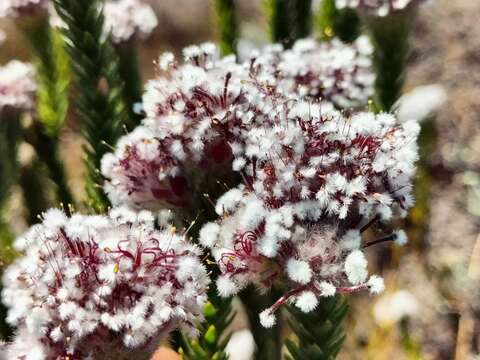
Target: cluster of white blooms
(17, 85)
(199, 113)
(125, 19)
(377, 7)
(19, 8)
(101, 287)
(328, 71)
(190, 114)
(314, 181)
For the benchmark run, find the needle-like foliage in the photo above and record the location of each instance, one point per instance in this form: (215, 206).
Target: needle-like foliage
(319, 333)
(99, 103)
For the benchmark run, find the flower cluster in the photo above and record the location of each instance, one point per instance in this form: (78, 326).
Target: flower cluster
(190, 114)
(328, 71)
(103, 285)
(314, 181)
(199, 113)
(17, 85)
(20, 8)
(377, 7)
(125, 19)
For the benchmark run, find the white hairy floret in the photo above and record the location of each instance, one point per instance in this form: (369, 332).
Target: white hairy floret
(356, 267)
(401, 238)
(376, 284)
(267, 318)
(299, 271)
(306, 301)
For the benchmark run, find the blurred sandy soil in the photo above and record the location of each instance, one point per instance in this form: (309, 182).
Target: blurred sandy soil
(437, 270)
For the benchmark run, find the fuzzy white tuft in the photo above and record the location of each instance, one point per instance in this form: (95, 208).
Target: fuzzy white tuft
(376, 284)
(401, 238)
(267, 319)
(326, 289)
(299, 271)
(209, 234)
(226, 287)
(306, 301)
(356, 267)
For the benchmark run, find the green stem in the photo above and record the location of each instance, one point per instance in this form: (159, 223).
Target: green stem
(53, 81)
(48, 152)
(130, 74)
(289, 20)
(227, 25)
(302, 18)
(268, 341)
(279, 23)
(389, 36)
(33, 180)
(6, 257)
(332, 22)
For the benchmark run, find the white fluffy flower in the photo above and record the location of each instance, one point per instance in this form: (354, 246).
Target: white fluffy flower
(420, 103)
(329, 71)
(356, 267)
(378, 7)
(401, 238)
(299, 271)
(376, 284)
(125, 19)
(17, 85)
(241, 346)
(306, 301)
(267, 318)
(96, 284)
(391, 308)
(20, 8)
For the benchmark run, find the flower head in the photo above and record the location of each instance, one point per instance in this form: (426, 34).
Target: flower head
(125, 19)
(17, 85)
(20, 8)
(378, 7)
(96, 285)
(329, 71)
(314, 181)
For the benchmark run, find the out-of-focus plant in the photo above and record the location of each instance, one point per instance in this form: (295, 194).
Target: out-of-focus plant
(53, 77)
(288, 20)
(332, 22)
(227, 25)
(389, 25)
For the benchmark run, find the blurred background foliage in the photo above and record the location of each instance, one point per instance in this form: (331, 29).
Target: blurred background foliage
(431, 309)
